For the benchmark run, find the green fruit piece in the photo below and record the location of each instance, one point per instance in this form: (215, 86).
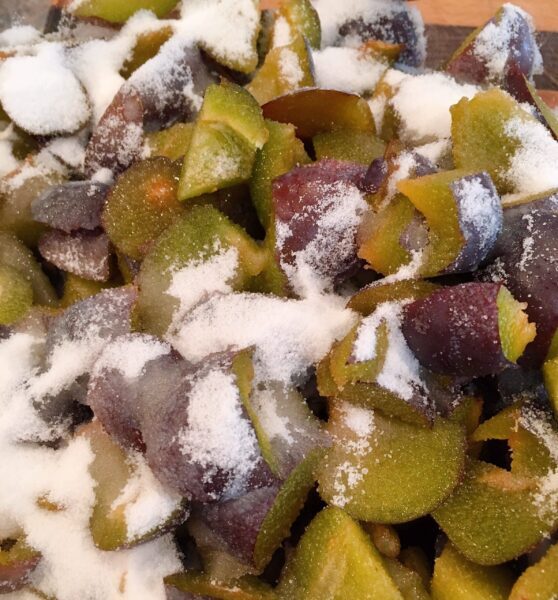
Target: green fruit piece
(147, 46)
(17, 192)
(370, 297)
(414, 558)
(281, 153)
(17, 562)
(380, 244)
(16, 255)
(218, 157)
(285, 69)
(439, 200)
(119, 11)
(16, 295)
(385, 538)
(203, 585)
(76, 289)
(550, 372)
(112, 469)
(495, 515)
(539, 582)
(408, 581)
(198, 235)
(303, 17)
(352, 146)
(313, 111)
(171, 143)
(234, 106)
(335, 560)
(395, 471)
(285, 509)
(456, 578)
(513, 324)
(480, 141)
(141, 205)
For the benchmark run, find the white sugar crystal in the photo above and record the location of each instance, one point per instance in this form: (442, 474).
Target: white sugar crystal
(493, 43)
(19, 35)
(130, 355)
(218, 435)
(290, 69)
(71, 566)
(435, 151)
(422, 103)
(41, 94)
(289, 336)
(533, 165)
(357, 419)
(282, 35)
(70, 150)
(201, 278)
(146, 503)
(347, 69)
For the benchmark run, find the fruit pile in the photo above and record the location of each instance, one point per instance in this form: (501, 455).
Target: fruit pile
(278, 306)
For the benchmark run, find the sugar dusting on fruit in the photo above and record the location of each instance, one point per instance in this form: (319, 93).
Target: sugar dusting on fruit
(218, 436)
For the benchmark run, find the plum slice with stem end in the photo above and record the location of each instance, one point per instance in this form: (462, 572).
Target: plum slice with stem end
(456, 578)
(472, 329)
(17, 561)
(358, 472)
(313, 111)
(141, 205)
(336, 559)
(71, 205)
(540, 581)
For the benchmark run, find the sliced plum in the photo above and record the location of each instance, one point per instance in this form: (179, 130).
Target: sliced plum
(71, 205)
(17, 562)
(336, 559)
(456, 578)
(540, 580)
(83, 253)
(315, 111)
(501, 52)
(383, 470)
(351, 146)
(122, 10)
(471, 329)
(141, 205)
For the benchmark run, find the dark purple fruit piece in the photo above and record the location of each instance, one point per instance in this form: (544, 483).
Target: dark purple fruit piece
(472, 329)
(85, 254)
(395, 23)
(171, 84)
(117, 392)
(118, 137)
(524, 260)
(106, 315)
(199, 440)
(318, 209)
(72, 205)
(502, 52)
(313, 111)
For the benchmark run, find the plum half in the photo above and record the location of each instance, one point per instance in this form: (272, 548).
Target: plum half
(472, 329)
